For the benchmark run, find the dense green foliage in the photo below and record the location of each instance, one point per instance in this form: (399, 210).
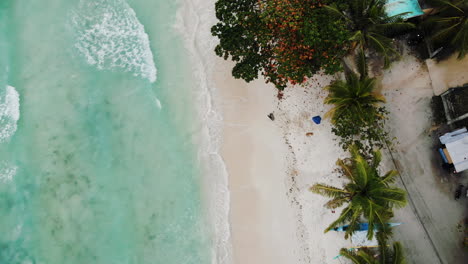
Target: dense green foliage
(356, 115)
(449, 26)
(386, 256)
(286, 41)
(367, 132)
(368, 195)
(370, 25)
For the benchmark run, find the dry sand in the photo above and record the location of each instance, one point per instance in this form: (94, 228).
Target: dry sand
(253, 150)
(271, 165)
(448, 73)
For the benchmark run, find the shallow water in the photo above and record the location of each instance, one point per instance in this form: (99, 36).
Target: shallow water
(101, 166)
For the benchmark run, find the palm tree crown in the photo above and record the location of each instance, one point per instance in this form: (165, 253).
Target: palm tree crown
(368, 195)
(354, 97)
(450, 24)
(371, 26)
(394, 256)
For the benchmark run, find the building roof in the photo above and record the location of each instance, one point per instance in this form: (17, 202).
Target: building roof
(457, 146)
(455, 102)
(409, 8)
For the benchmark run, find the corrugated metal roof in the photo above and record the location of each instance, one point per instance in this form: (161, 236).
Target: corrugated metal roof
(458, 150)
(453, 136)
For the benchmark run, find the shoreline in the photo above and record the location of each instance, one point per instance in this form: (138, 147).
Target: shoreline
(193, 20)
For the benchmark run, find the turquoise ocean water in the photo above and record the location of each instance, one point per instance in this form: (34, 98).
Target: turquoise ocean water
(97, 158)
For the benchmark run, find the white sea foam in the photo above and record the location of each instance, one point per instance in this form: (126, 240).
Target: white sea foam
(9, 113)
(158, 102)
(7, 172)
(110, 36)
(194, 20)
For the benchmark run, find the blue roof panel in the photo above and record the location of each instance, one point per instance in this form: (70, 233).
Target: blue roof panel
(410, 8)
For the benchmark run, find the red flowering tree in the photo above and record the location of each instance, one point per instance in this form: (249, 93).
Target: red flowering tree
(286, 41)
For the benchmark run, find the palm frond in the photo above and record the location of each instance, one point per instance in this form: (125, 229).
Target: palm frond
(361, 175)
(333, 9)
(398, 257)
(450, 4)
(383, 235)
(383, 46)
(353, 221)
(362, 64)
(376, 159)
(391, 29)
(337, 202)
(393, 196)
(351, 255)
(359, 37)
(389, 177)
(379, 98)
(445, 33)
(329, 114)
(343, 218)
(347, 170)
(366, 258)
(326, 190)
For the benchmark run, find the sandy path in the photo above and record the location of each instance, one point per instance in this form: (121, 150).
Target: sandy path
(429, 232)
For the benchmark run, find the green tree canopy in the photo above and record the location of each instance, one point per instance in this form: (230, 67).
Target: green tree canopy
(370, 25)
(449, 26)
(356, 114)
(286, 41)
(368, 195)
(386, 256)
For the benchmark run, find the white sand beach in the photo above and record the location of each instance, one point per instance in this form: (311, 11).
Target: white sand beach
(273, 218)
(271, 165)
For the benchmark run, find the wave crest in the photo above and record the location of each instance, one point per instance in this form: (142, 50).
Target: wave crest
(110, 36)
(7, 172)
(9, 113)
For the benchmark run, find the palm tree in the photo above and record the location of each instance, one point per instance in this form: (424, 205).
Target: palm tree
(370, 25)
(450, 24)
(357, 117)
(354, 97)
(386, 255)
(368, 195)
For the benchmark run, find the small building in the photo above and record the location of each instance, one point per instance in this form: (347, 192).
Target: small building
(455, 101)
(455, 150)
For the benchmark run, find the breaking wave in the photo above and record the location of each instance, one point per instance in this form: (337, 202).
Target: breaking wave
(7, 172)
(9, 113)
(110, 36)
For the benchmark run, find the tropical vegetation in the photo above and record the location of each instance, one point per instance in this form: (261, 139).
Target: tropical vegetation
(386, 256)
(356, 114)
(370, 26)
(286, 41)
(368, 195)
(449, 26)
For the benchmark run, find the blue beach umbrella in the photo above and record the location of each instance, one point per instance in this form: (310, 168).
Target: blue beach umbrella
(317, 119)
